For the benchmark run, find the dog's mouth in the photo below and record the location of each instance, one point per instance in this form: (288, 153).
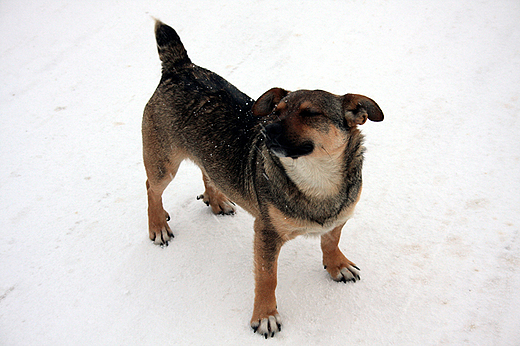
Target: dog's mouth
(278, 144)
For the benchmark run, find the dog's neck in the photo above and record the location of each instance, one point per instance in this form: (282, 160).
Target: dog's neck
(319, 177)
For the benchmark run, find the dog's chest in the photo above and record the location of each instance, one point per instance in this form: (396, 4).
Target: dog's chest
(289, 227)
(318, 178)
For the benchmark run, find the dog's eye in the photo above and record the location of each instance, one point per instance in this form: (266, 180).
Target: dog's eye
(307, 113)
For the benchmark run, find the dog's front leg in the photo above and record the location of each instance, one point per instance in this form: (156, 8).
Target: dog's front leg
(266, 320)
(339, 267)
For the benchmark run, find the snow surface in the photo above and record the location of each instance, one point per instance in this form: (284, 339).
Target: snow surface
(436, 233)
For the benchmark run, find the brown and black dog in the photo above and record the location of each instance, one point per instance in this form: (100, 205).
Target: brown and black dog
(291, 159)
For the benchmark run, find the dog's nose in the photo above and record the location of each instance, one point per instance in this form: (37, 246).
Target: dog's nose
(273, 134)
(274, 130)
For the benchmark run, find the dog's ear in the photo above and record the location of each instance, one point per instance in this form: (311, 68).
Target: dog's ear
(266, 103)
(358, 108)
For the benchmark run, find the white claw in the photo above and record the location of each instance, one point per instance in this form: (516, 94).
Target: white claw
(269, 326)
(162, 237)
(355, 272)
(264, 326)
(348, 274)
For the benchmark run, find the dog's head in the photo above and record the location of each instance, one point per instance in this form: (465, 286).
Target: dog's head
(312, 122)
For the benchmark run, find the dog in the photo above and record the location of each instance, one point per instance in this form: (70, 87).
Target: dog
(293, 160)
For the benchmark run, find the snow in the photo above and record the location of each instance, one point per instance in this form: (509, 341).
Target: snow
(436, 232)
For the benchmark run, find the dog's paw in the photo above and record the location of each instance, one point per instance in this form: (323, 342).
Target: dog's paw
(350, 273)
(162, 237)
(219, 203)
(339, 267)
(160, 233)
(344, 274)
(267, 326)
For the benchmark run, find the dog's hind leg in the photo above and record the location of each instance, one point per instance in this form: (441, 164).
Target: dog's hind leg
(158, 218)
(160, 173)
(213, 197)
(339, 267)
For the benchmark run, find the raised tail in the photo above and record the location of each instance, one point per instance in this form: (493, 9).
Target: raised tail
(171, 50)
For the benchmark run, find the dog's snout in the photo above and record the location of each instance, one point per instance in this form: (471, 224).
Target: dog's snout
(274, 130)
(273, 136)
(278, 142)
(273, 133)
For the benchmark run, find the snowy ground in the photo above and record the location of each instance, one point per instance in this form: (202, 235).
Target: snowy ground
(436, 233)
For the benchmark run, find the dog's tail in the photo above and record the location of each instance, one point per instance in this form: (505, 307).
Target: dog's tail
(171, 50)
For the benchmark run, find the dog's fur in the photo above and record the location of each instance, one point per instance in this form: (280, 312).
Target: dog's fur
(291, 159)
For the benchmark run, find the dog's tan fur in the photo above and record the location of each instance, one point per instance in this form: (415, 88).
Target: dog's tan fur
(291, 159)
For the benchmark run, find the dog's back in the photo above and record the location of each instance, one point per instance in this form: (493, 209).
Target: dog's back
(209, 117)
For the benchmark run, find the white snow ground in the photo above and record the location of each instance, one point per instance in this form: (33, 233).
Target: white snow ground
(436, 232)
